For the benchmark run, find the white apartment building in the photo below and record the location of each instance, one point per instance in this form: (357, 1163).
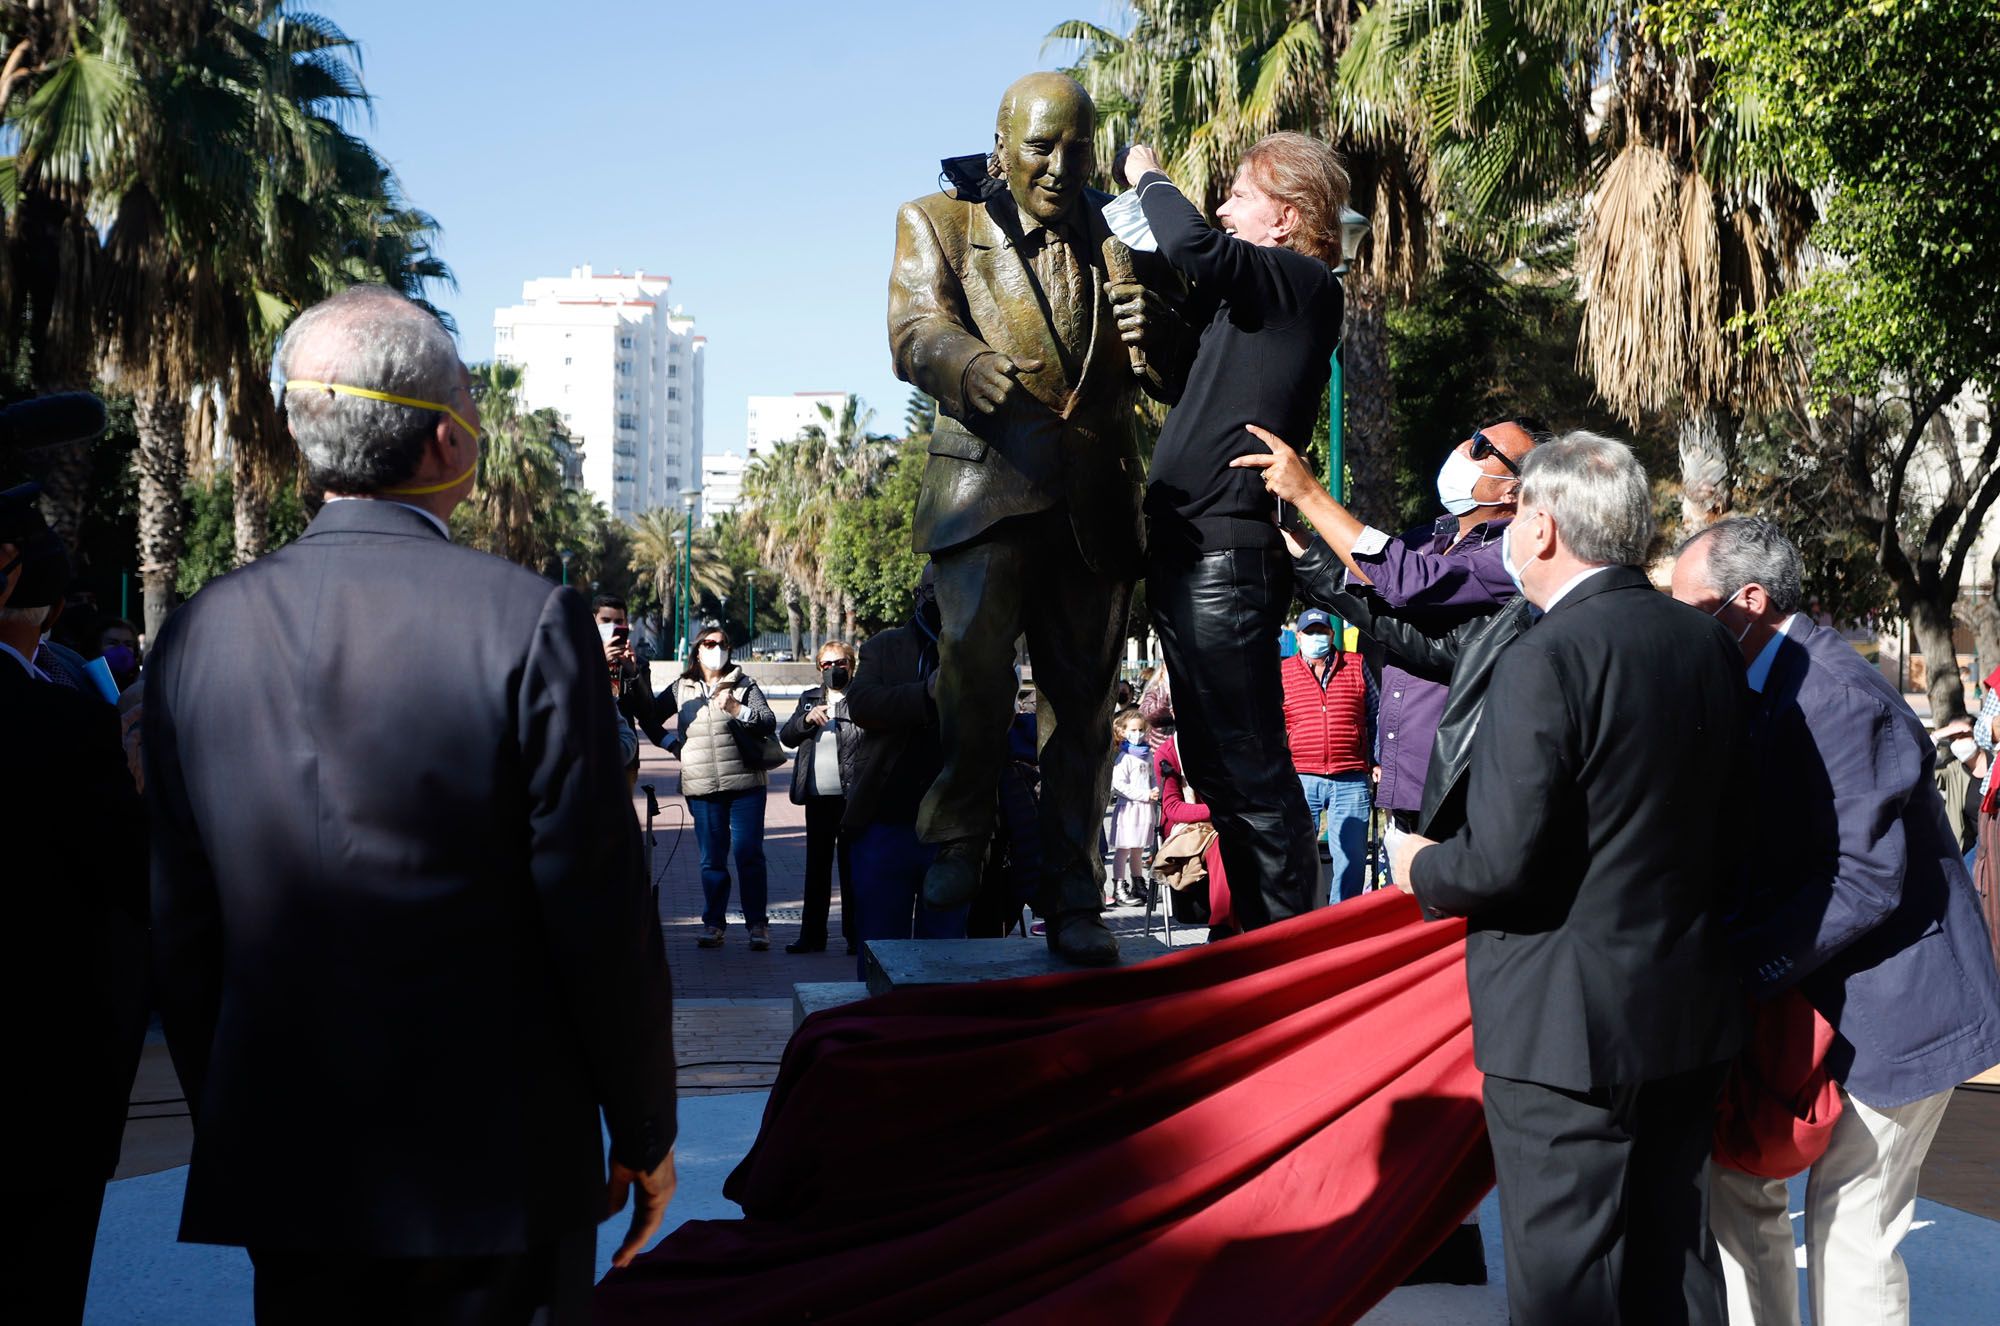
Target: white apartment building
(721, 484)
(775, 419)
(624, 369)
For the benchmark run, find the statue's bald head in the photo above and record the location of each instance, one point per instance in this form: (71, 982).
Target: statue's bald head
(1042, 142)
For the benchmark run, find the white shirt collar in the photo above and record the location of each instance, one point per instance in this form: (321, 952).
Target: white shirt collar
(1571, 584)
(25, 662)
(442, 528)
(1760, 667)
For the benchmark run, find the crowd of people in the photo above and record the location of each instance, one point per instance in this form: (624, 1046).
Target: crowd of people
(403, 936)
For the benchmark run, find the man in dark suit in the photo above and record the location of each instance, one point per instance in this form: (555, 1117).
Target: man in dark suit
(1856, 894)
(74, 994)
(1588, 868)
(893, 701)
(1014, 307)
(403, 931)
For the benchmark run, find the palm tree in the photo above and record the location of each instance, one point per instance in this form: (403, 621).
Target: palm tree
(1537, 118)
(659, 542)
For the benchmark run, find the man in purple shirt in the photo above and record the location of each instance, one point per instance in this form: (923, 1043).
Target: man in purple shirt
(1434, 576)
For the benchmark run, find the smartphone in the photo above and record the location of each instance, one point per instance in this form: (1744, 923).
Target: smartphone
(606, 630)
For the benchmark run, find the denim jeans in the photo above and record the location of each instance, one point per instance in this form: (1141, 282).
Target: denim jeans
(885, 892)
(1343, 799)
(726, 824)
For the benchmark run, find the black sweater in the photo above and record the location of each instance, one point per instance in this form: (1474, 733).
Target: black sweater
(1272, 321)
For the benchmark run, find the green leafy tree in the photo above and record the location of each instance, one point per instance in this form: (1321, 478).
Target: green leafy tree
(870, 553)
(1892, 110)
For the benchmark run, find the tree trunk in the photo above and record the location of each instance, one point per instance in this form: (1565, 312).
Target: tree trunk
(818, 622)
(793, 615)
(1708, 452)
(1930, 623)
(66, 492)
(252, 513)
(159, 417)
(1366, 441)
(1984, 619)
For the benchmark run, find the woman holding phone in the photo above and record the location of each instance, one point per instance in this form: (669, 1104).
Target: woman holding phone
(719, 708)
(1219, 582)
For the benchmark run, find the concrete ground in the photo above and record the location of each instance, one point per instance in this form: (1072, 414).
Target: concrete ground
(732, 1019)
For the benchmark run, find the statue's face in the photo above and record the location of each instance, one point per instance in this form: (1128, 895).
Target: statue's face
(1047, 153)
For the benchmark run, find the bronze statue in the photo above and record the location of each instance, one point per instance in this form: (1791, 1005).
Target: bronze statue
(1034, 328)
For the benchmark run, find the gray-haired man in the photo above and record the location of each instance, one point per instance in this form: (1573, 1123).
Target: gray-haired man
(1856, 895)
(405, 939)
(1587, 869)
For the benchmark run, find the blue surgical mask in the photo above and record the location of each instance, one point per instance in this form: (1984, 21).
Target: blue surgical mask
(1315, 644)
(1507, 559)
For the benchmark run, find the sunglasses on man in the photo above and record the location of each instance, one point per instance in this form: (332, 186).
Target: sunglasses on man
(1484, 446)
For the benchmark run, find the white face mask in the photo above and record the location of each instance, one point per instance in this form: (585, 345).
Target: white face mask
(1456, 480)
(1717, 614)
(1963, 749)
(713, 657)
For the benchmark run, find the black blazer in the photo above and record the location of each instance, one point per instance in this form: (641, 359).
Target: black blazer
(846, 740)
(76, 929)
(1591, 861)
(890, 700)
(1461, 655)
(404, 933)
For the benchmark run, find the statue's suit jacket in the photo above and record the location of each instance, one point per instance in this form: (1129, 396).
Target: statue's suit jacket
(962, 287)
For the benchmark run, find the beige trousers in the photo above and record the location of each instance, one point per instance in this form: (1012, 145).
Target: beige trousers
(1860, 1198)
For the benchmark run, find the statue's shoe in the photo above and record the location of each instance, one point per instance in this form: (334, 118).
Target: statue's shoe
(953, 879)
(1082, 939)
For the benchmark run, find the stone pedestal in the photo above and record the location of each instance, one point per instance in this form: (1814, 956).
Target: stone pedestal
(897, 964)
(809, 997)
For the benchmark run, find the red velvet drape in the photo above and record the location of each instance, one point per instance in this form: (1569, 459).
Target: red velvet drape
(1270, 1130)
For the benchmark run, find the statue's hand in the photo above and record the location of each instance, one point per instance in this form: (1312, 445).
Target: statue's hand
(993, 379)
(1142, 315)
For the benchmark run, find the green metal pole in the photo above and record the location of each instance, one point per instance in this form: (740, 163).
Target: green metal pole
(125, 595)
(687, 580)
(751, 623)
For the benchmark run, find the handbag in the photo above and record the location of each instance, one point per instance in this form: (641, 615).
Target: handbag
(760, 750)
(1182, 862)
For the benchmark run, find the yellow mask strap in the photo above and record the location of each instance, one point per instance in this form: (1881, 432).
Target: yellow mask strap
(427, 489)
(369, 393)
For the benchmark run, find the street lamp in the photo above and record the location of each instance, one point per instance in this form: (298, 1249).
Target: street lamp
(1353, 229)
(568, 555)
(689, 498)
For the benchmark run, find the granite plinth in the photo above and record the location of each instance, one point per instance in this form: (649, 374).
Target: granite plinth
(897, 964)
(810, 997)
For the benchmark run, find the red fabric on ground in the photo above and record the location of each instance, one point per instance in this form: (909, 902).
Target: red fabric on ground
(1277, 1129)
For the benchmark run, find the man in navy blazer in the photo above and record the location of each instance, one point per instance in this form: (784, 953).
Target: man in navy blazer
(1854, 892)
(406, 950)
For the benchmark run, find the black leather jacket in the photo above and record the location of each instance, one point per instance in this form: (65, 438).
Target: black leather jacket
(1462, 656)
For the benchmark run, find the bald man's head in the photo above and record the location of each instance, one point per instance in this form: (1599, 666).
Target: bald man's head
(1042, 143)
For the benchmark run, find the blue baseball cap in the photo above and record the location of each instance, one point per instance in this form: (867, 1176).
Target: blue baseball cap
(1312, 617)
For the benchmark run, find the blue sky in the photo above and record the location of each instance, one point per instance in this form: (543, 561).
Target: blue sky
(754, 151)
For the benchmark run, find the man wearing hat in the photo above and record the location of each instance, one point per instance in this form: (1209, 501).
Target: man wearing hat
(1330, 706)
(74, 1000)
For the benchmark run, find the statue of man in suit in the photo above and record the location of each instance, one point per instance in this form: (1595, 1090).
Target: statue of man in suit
(1035, 329)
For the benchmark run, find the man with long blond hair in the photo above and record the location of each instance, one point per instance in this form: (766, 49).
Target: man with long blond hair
(1219, 582)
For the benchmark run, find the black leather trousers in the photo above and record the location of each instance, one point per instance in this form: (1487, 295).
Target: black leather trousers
(1218, 615)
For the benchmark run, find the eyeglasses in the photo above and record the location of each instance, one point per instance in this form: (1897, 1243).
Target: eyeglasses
(1483, 446)
(826, 663)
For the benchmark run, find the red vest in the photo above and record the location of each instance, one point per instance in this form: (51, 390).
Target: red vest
(1327, 725)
